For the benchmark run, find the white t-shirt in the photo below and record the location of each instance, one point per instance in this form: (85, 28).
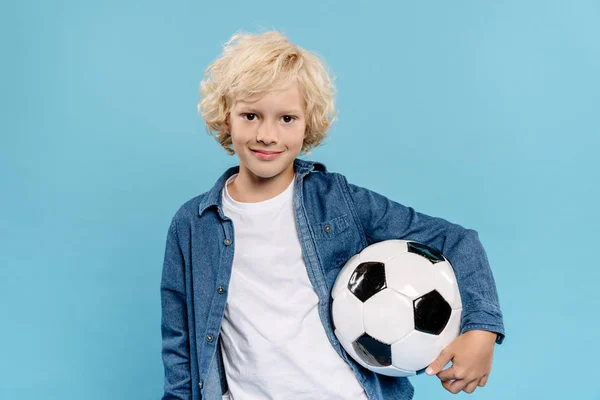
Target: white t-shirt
(273, 343)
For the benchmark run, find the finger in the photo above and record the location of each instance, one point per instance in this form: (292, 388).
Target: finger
(448, 374)
(454, 372)
(440, 362)
(483, 380)
(470, 388)
(455, 386)
(448, 385)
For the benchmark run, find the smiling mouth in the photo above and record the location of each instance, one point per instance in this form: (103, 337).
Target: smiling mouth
(266, 152)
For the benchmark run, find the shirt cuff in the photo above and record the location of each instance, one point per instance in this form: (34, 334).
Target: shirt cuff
(498, 329)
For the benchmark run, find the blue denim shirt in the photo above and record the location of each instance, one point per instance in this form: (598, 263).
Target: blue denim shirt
(199, 253)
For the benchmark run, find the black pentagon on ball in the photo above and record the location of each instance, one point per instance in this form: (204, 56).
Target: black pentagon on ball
(367, 279)
(431, 312)
(432, 255)
(372, 351)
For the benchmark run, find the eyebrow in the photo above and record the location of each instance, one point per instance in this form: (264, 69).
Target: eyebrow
(254, 110)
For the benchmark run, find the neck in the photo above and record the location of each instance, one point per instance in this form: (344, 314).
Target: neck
(249, 188)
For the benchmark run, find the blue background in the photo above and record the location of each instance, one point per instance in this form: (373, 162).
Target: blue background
(484, 113)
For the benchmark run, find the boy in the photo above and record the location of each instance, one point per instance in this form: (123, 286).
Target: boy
(249, 265)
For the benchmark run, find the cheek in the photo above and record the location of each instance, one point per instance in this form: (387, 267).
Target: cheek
(239, 134)
(300, 137)
(238, 145)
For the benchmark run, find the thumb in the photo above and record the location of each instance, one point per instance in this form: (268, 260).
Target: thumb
(440, 362)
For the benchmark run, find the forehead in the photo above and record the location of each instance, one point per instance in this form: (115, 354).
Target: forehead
(289, 96)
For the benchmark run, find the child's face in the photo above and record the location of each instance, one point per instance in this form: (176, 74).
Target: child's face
(268, 134)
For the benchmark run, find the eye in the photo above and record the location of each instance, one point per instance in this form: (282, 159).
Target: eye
(249, 116)
(288, 118)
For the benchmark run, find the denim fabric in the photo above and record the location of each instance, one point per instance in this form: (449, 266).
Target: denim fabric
(199, 253)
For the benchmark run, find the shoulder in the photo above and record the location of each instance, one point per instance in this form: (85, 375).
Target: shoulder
(185, 214)
(191, 209)
(323, 183)
(320, 175)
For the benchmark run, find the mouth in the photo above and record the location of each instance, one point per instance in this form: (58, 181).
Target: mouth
(266, 152)
(266, 155)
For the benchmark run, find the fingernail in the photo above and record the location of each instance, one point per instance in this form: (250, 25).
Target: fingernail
(429, 371)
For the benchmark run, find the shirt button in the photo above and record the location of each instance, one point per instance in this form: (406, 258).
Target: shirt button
(200, 384)
(327, 228)
(221, 290)
(209, 338)
(227, 242)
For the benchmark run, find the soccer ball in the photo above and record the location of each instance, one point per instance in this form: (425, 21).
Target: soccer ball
(396, 305)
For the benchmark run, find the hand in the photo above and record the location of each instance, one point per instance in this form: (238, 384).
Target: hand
(471, 355)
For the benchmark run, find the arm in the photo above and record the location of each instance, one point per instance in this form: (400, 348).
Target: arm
(174, 328)
(384, 219)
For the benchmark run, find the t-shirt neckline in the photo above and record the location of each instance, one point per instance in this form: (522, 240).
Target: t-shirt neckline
(268, 204)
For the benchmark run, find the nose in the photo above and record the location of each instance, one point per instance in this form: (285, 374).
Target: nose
(267, 134)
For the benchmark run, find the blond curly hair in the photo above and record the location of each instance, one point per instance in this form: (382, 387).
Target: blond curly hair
(253, 64)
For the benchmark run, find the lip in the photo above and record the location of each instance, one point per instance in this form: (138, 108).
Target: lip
(266, 155)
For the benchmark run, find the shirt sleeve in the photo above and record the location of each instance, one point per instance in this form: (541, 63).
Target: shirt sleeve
(174, 322)
(384, 219)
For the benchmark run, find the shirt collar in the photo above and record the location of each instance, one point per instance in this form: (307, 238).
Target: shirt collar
(213, 196)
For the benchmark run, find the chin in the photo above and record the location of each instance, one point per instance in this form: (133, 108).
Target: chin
(268, 170)
(266, 173)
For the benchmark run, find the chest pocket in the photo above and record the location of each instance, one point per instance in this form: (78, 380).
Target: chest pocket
(337, 241)
(332, 228)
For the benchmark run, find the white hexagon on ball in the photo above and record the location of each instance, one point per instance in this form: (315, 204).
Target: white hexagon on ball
(347, 313)
(383, 251)
(388, 316)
